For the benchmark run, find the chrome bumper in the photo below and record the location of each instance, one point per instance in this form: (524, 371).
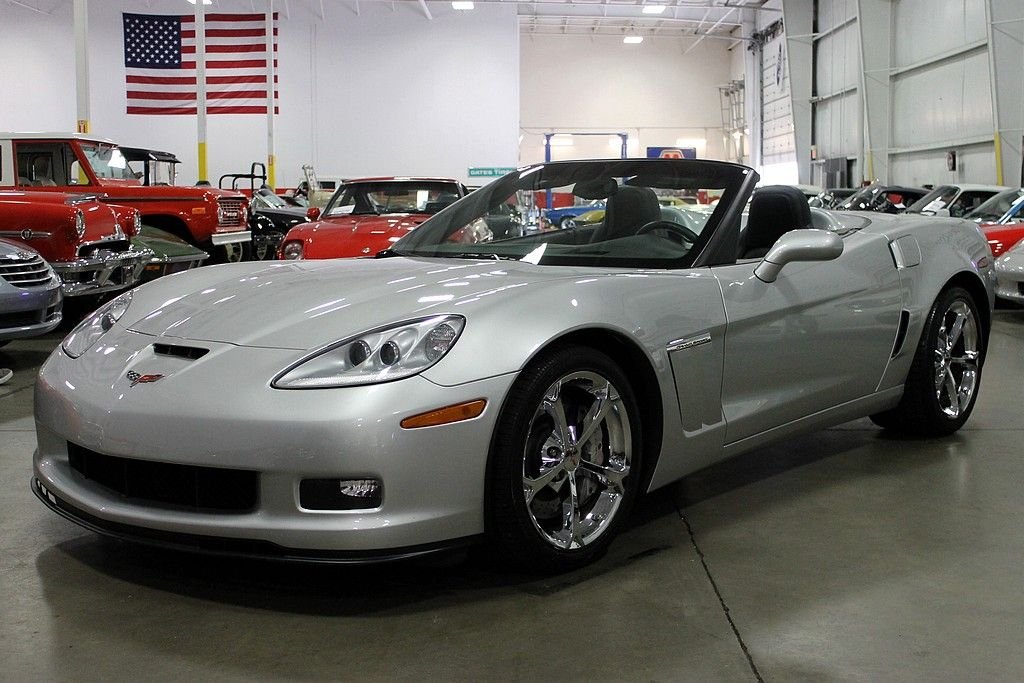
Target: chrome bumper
(219, 238)
(102, 273)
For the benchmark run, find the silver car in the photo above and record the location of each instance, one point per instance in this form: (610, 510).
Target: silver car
(1010, 274)
(30, 294)
(521, 391)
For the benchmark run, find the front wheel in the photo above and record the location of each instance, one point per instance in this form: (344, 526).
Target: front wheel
(565, 462)
(942, 385)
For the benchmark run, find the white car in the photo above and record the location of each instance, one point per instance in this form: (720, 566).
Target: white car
(1010, 274)
(955, 200)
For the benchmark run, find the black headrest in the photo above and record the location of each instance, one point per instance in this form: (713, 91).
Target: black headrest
(774, 211)
(629, 209)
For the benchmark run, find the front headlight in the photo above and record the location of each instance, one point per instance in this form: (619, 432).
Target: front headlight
(79, 223)
(292, 251)
(381, 355)
(95, 326)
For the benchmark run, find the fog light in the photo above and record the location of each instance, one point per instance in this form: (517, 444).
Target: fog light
(340, 494)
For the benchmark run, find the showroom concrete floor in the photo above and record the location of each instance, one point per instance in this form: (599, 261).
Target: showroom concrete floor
(843, 555)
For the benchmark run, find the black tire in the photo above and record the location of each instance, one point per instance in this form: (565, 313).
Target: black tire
(940, 364)
(233, 252)
(567, 222)
(599, 472)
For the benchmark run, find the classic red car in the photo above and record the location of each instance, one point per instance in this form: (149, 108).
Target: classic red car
(212, 219)
(368, 215)
(85, 240)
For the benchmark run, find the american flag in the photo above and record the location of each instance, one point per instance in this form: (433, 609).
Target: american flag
(160, 63)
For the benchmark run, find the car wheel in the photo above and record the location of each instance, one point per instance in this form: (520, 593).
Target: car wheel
(264, 245)
(565, 462)
(943, 381)
(567, 222)
(233, 252)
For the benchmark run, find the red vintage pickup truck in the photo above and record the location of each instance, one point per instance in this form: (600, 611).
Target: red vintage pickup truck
(212, 219)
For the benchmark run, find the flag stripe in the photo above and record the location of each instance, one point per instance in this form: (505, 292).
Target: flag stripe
(160, 63)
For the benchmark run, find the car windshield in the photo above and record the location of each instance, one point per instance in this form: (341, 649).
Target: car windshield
(266, 199)
(392, 196)
(503, 220)
(107, 161)
(996, 206)
(936, 200)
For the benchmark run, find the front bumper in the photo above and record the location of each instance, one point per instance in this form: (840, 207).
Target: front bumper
(219, 238)
(219, 411)
(29, 312)
(107, 273)
(1009, 281)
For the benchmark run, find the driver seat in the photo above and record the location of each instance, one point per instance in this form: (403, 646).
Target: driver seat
(626, 211)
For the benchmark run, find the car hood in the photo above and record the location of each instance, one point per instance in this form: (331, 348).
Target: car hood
(282, 213)
(307, 304)
(347, 236)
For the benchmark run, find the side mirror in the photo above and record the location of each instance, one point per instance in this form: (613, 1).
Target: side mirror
(313, 212)
(942, 213)
(798, 245)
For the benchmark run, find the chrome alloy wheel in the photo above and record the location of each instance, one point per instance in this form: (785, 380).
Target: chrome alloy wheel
(956, 359)
(576, 459)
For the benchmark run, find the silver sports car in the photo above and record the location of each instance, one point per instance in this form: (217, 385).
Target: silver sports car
(520, 391)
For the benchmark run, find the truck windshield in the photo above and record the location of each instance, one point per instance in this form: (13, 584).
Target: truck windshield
(107, 161)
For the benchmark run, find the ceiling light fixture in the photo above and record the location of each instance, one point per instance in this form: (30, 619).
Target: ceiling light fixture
(205, 2)
(633, 40)
(462, 5)
(653, 9)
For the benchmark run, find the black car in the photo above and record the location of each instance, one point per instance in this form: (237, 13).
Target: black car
(271, 216)
(883, 198)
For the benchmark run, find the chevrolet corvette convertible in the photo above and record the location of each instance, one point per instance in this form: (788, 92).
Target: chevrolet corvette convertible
(520, 392)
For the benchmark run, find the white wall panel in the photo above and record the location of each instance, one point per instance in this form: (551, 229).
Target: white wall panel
(378, 93)
(837, 126)
(837, 60)
(831, 13)
(926, 28)
(949, 101)
(975, 164)
(653, 91)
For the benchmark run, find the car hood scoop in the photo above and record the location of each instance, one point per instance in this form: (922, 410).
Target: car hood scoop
(306, 304)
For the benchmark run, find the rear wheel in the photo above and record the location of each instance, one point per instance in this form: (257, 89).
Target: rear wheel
(943, 382)
(565, 462)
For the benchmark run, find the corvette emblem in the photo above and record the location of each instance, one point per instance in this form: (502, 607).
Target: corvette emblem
(136, 378)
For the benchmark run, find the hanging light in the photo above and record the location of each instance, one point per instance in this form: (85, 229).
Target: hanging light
(653, 9)
(633, 40)
(462, 5)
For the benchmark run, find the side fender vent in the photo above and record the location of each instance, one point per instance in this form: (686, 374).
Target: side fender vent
(189, 352)
(901, 333)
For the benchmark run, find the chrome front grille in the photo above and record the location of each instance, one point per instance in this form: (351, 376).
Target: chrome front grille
(230, 213)
(30, 272)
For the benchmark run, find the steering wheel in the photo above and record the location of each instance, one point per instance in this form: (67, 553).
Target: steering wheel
(675, 232)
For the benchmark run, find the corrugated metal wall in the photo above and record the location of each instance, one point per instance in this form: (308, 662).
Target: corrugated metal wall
(940, 92)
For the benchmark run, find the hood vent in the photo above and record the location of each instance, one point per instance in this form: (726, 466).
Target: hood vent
(189, 352)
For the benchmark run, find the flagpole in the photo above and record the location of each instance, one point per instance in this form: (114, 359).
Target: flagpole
(81, 13)
(271, 176)
(201, 89)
